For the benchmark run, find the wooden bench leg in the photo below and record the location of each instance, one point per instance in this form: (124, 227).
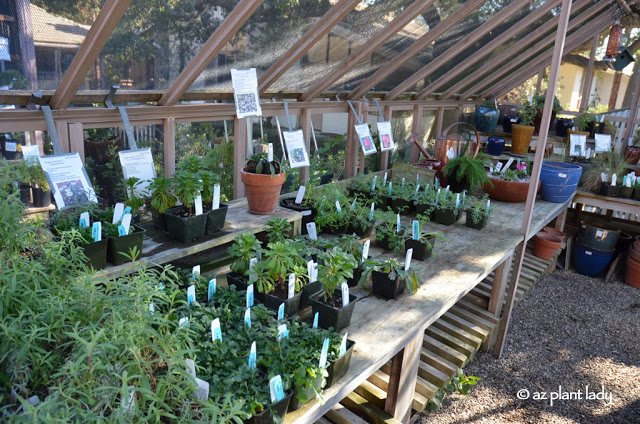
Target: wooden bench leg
(402, 380)
(496, 300)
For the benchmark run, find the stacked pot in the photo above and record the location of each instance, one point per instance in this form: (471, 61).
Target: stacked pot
(547, 242)
(633, 265)
(595, 247)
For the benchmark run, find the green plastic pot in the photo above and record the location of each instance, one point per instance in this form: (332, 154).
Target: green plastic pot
(96, 252)
(279, 409)
(338, 367)
(480, 225)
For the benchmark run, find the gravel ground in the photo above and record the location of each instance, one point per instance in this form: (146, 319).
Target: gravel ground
(569, 332)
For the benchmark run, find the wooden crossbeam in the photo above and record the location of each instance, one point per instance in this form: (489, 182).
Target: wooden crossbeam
(98, 35)
(416, 47)
(361, 54)
(457, 48)
(209, 50)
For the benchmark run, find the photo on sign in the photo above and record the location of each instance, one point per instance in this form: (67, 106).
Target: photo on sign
(366, 141)
(385, 136)
(296, 148)
(68, 179)
(72, 192)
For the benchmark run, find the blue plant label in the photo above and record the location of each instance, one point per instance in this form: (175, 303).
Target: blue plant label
(191, 294)
(152, 308)
(211, 291)
(216, 332)
(464, 197)
(276, 390)
(373, 183)
(247, 317)
(447, 188)
(291, 287)
(126, 222)
(403, 181)
(365, 250)
(343, 346)
(416, 230)
(384, 180)
(250, 296)
(390, 187)
(195, 272)
(253, 275)
(216, 197)
(281, 312)
(407, 259)
(398, 222)
(323, 353)
(121, 231)
(84, 220)
(373, 206)
(437, 183)
(126, 210)
(338, 208)
(118, 211)
(96, 231)
(283, 332)
(353, 205)
(345, 294)
(160, 286)
(183, 323)
(457, 200)
(311, 230)
(315, 320)
(252, 355)
(437, 196)
(488, 205)
(300, 194)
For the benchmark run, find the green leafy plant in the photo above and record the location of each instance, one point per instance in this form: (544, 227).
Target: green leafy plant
(162, 194)
(527, 114)
(470, 168)
(583, 121)
(133, 199)
(336, 266)
(395, 269)
(37, 176)
(278, 229)
(478, 209)
(187, 186)
(244, 247)
(258, 164)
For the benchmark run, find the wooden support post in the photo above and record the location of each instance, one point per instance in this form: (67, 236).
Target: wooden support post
(384, 157)
(76, 139)
(539, 81)
(62, 127)
(633, 114)
(588, 75)
(169, 125)
(439, 120)
(364, 117)
(353, 145)
(416, 130)
(239, 152)
(305, 117)
(500, 279)
(402, 380)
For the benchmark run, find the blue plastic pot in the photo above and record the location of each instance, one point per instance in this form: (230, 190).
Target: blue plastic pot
(559, 181)
(507, 121)
(591, 262)
(486, 119)
(495, 146)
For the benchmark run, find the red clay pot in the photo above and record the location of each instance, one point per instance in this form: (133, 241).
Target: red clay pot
(554, 232)
(633, 273)
(546, 245)
(262, 191)
(636, 246)
(507, 191)
(634, 254)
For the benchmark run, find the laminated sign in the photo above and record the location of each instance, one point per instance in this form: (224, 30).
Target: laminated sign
(245, 92)
(366, 141)
(385, 136)
(68, 179)
(296, 148)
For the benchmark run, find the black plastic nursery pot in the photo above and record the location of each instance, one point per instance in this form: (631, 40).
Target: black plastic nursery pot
(309, 290)
(274, 413)
(446, 216)
(341, 229)
(385, 287)
(402, 206)
(25, 194)
(606, 189)
(383, 242)
(215, 219)
(96, 252)
(330, 317)
(184, 229)
(421, 250)
(480, 225)
(41, 198)
(362, 233)
(307, 211)
(290, 305)
(158, 219)
(307, 392)
(123, 244)
(626, 192)
(425, 209)
(338, 367)
(357, 273)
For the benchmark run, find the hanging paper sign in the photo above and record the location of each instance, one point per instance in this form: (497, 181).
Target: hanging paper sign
(603, 143)
(247, 317)
(385, 135)
(296, 148)
(139, 164)
(68, 179)
(245, 92)
(191, 294)
(211, 290)
(275, 388)
(31, 153)
(366, 141)
(578, 144)
(216, 332)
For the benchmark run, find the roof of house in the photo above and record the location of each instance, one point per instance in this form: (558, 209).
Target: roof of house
(56, 31)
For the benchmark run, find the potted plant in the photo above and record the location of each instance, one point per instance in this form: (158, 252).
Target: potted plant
(262, 180)
(39, 186)
(330, 220)
(95, 251)
(486, 116)
(352, 244)
(387, 235)
(582, 123)
(305, 207)
(215, 217)
(510, 185)
(133, 199)
(632, 152)
(244, 248)
(359, 222)
(335, 268)
(99, 141)
(162, 198)
(610, 163)
(278, 230)
(522, 132)
(538, 100)
(422, 243)
(401, 197)
(389, 278)
(120, 247)
(465, 172)
(182, 222)
(478, 213)
(22, 179)
(447, 211)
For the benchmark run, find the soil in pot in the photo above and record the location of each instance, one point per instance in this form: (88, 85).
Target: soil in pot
(277, 297)
(262, 191)
(421, 250)
(546, 245)
(338, 367)
(96, 252)
(446, 216)
(480, 225)
(123, 244)
(183, 227)
(385, 287)
(241, 282)
(274, 413)
(41, 198)
(331, 314)
(215, 219)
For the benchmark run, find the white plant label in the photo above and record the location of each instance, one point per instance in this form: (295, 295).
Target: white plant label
(324, 353)
(195, 272)
(390, 188)
(96, 231)
(373, 182)
(250, 296)
(311, 230)
(253, 355)
(247, 317)
(152, 308)
(291, 288)
(417, 188)
(198, 205)
(499, 166)
(300, 194)
(488, 205)
(384, 180)
(628, 182)
(365, 250)
(216, 197)
(457, 200)
(191, 294)
(84, 218)
(276, 390)
(398, 223)
(252, 274)
(270, 152)
(191, 367)
(508, 164)
(203, 389)
(216, 332)
(614, 179)
(343, 345)
(407, 259)
(403, 182)
(211, 290)
(344, 288)
(126, 222)
(311, 271)
(283, 332)
(604, 177)
(281, 312)
(183, 323)
(118, 210)
(315, 320)
(338, 208)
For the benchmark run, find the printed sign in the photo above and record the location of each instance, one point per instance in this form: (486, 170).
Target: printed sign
(366, 141)
(245, 92)
(296, 148)
(385, 135)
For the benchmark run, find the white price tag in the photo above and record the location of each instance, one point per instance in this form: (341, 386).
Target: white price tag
(275, 388)
(126, 222)
(195, 272)
(198, 205)
(292, 286)
(311, 230)
(407, 259)
(216, 197)
(562, 175)
(345, 294)
(191, 294)
(117, 213)
(300, 194)
(365, 250)
(216, 332)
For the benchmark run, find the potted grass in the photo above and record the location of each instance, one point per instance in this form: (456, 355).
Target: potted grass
(162, 198)
(182, 222)
(478, 213)
(335, 268)
(522, 132)
(389, 278)
(422, 242)
(39, 186)
(244, 248)
(608, 163)
(262, 179)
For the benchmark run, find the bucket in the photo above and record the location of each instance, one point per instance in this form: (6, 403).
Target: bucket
(597, 237)
(559, 181)
(590, 262)
(495, 146)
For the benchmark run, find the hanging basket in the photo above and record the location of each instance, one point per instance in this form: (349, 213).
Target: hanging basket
(462, 137)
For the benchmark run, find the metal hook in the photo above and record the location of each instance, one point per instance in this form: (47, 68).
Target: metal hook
(112, 93)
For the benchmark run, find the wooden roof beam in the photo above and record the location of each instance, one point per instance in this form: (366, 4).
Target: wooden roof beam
(456, 49)
(98, 35)
(514, 62)
(308, 40)
(417, 46)
(407, 15)
(519, 26)
(209, 50)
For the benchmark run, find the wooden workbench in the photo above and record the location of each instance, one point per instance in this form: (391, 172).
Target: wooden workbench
(393, 330)
(630, 207)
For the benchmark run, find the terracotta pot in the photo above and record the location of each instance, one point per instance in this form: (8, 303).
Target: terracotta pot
(554, 232)
(633, 273)
(262, 191)
(634, 254)
(520, 138)
(546, 245)
(636, 246)
(507, 191)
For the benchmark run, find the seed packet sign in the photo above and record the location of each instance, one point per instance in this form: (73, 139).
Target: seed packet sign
(578, 144)
(68, 179)
(138, 163)
(385, 136)
(245, 92)
(296, 149)
(366, 141)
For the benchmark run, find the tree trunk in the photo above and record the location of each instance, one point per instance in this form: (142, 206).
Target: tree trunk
(614, 90)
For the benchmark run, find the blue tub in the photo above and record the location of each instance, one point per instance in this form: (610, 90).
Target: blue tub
(559, 181)
(495, 145)
(591, 262)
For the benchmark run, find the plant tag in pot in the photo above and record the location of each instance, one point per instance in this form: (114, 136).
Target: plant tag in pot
(417, 188)
(398, 223)
(437, 196)
(373, 205)
(407, 259)
(373, 183)
(252, 274)
(312, 271)
(365, 250)
(121, 231)
(216, 197)
(457, 200)
(118, 211)
(85, 221)
(403, 182)
(384, 180)
(191, 367)
(508, 164)
(315, 320)
(276, 390)
(291, 288)
(280, 312)
(203, 389)
(345, 294)
(183, 323)
(499, 166)
(628, 182)
(198, 205)
(195, 272)
(152, 308)
(96, 231)
(252, 355)
(300, 194)
(247, 317)
(323, 353)
(353, 205)
(283, 332)
(126, 222)
(390, 187)
(343, 346)
(127, 210)
(416, 230)
(311, 230)
(216, 332)
(250, 296)
(614, 179)
(604, 177)
(191, 294)
(338, 208)
(211, 290)
(488, 205)
(270, 153)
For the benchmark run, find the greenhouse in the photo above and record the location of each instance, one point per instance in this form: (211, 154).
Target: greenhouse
(320, 211)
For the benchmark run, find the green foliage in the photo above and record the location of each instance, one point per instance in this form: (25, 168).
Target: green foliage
(336, 266)
(187, 186)
(395, 269)
(258, 164)
(161, 193)
(582, 121)
(478, 208)
(527, 114)
(459, 383)
(538, 100)
(489, 104)
(133, 199)
(245, 247)
(278, 229)
(470, 168)
(608, 162)
(14, 79)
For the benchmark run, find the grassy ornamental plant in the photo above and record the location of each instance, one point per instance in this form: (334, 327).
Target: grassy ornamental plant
(609, 163)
